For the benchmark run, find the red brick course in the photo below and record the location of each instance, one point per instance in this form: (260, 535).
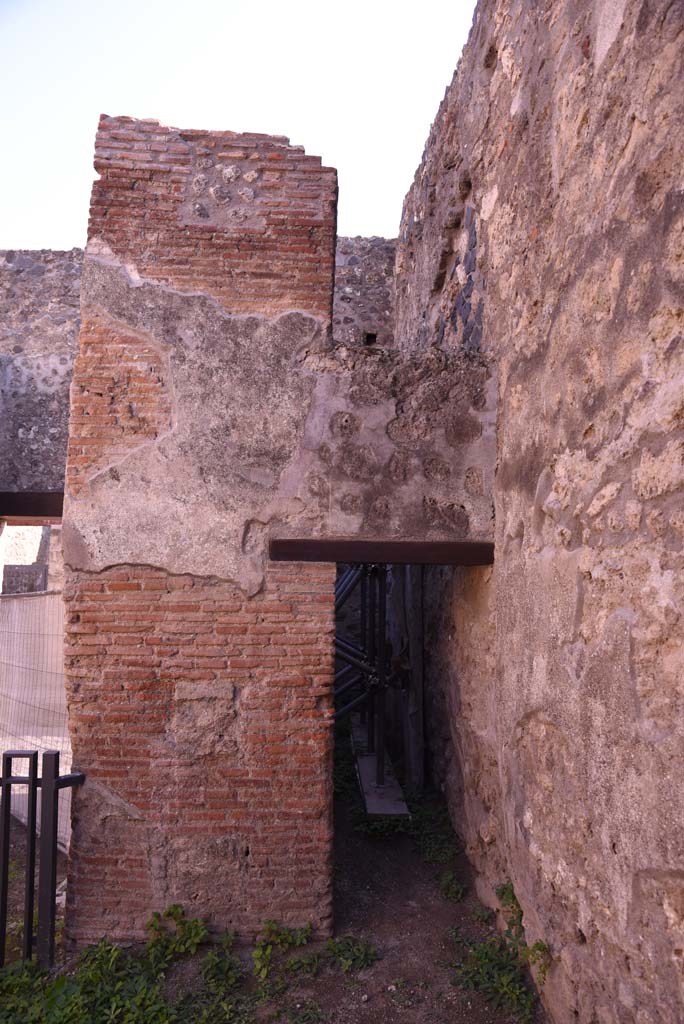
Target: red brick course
(268, 253)
(202, 719)
(118, 399)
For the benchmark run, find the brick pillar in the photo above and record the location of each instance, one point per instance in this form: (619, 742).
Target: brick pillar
(201, 717)
(199, 675)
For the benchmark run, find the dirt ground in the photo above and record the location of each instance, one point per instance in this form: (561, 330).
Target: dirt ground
(385, 893)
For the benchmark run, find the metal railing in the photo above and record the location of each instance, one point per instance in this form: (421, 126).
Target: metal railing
(50, 783)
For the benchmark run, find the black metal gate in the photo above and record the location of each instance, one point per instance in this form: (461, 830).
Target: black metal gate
(50, 782)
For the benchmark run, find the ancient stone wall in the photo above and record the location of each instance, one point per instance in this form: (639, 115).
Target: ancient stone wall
(542, 240)
(363, 308)
(55, 564)
(24, 553)
(24, 579)
(39, 319)
(30, 558)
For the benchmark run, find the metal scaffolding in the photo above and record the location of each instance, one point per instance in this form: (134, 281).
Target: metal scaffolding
(363, 679)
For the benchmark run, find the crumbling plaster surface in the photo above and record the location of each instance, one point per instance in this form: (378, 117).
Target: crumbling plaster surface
(262, 427)
(39, 321)
(41, 316)
(559, 146)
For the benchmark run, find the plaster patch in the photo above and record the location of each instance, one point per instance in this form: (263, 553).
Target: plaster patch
(608, 21)
(489, 202)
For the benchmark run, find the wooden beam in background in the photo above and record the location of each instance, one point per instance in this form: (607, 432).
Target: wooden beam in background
(31, 508)
(396, 552)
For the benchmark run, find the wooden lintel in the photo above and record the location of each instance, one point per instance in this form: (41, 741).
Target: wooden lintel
(396, 552)
(21, 508)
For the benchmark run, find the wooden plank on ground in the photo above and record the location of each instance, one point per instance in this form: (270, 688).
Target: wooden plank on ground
(379, 800)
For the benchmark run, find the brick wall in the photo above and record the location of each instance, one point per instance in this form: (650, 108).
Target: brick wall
(209, 413)
(118, 398)
(202, 720)
(199, 697)
(245, 218)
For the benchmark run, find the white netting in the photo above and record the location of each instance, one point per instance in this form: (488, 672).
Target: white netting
(32, 696)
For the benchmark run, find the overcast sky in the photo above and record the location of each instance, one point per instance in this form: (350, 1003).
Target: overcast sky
(357, 82)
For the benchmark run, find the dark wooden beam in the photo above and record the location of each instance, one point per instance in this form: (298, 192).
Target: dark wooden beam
(397, 552)
(29, 506)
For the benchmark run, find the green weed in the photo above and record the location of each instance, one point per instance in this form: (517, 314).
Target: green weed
(351, 954)
(307, 1013)
(274, 937)
(432, 831)
(309, 964)
(496, 967)
(378, 826)
(537, 955)
(484, 914)
(428, 825)
(451, 888)
(493, 968)
(172, 935)
(110, 985)
(221, 971)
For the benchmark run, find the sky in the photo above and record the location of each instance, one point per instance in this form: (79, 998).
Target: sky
(357, 83)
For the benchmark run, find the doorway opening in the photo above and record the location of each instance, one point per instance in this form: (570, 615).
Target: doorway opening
(378, 680)
(402, 884)
(374, 681)
(364, 674)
